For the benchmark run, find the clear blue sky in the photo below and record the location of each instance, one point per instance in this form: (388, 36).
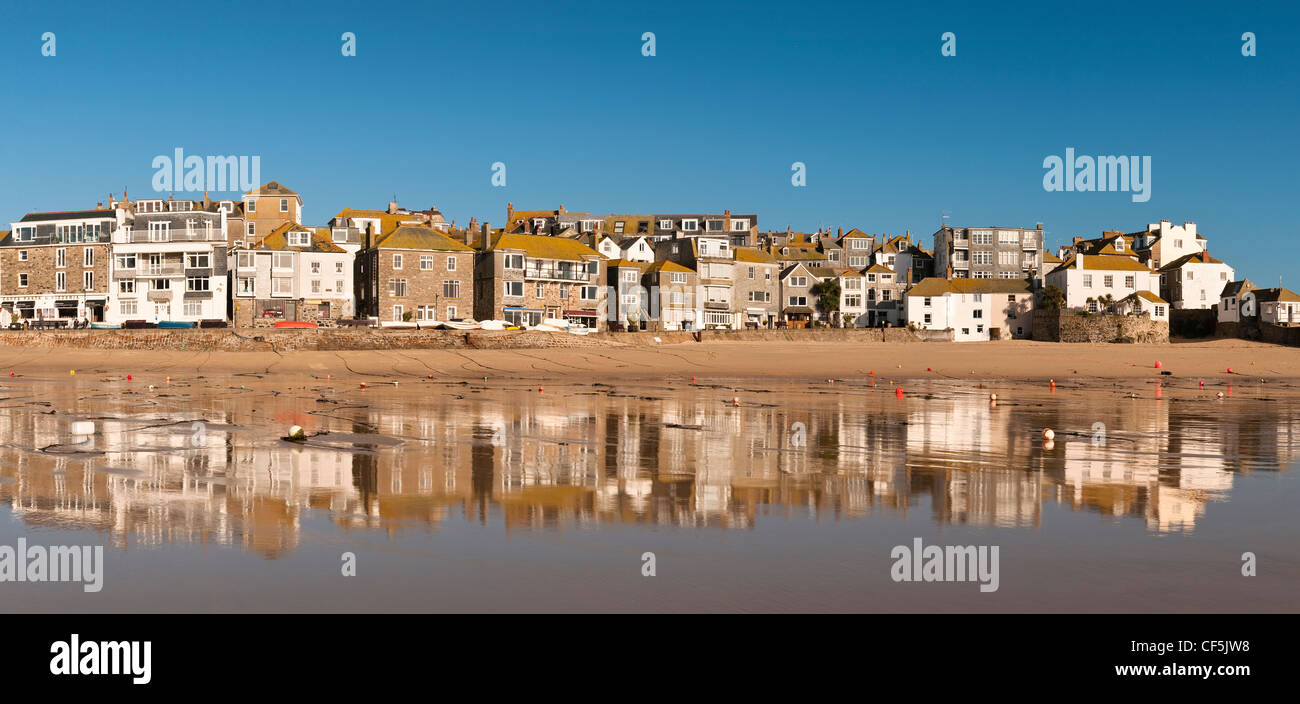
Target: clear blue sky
(891, 132)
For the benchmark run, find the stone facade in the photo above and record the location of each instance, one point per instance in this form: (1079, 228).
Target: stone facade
(38, 267)
(442, 291)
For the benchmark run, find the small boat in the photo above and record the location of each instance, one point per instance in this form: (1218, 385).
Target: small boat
(174, 324)
(300, 324)
(105, 326)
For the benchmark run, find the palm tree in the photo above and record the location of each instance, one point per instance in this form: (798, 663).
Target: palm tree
(1052, 297)
(828, 296)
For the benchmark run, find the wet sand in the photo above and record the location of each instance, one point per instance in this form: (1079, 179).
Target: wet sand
(1013, 360)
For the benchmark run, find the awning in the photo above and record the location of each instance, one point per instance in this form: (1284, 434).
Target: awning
(581, 313)
(805, 310)
(524, 310)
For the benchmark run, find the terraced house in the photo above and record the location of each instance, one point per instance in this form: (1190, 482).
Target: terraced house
(758, 287)
(712, 259)
(415, 274)
(673, 290)
(54, 266)
(525, 279)
(169, 264)
(267, 207)
(987, 252)
(294, 273)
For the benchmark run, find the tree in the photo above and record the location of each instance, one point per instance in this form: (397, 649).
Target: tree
(1107, 302)
(1052, 297)
(828, 296)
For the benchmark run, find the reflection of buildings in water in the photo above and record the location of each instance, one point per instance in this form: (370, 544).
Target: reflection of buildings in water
(687, 460)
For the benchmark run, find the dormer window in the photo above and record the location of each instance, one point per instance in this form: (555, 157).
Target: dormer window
(690, 225)
(299, 239)
(715, 225)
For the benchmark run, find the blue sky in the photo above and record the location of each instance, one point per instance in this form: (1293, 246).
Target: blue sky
(892, 132)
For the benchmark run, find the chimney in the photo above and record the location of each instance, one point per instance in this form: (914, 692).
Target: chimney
(486, 232)
(839, 232)
(510, 213)
(1078, 261)
(562, 211)
(1038, 226)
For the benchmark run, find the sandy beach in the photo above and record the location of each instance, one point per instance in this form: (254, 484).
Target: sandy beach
(723, 360)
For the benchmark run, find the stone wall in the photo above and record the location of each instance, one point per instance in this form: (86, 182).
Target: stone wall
(1055, 326)
(285, 340)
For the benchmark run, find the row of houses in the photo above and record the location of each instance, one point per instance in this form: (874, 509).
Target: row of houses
(253, 262)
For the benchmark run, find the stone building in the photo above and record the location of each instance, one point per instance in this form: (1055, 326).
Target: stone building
(525, 279)
(415, 274)
(54, 266)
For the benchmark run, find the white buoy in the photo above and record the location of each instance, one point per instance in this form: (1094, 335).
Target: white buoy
(296, 433)
(993, 397)
(1048, 434)
(83, 427)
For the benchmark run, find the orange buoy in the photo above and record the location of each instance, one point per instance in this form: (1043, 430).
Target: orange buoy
(128, 376)
(1051, 384)
(692, 380)
(363, 384)
(1229, 370)
(1158, 364)
(735, 400)
(898, 391)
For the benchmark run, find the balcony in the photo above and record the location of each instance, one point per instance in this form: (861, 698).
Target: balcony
(163, 237)
(961, 263)
(557, 274)
(147, 271)
(717, 305)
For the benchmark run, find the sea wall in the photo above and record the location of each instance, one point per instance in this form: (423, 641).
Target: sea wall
(1056, 326)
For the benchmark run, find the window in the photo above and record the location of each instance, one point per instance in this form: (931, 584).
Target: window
(251, 206)
(1160, 311)
(1008, 236)
(282, 261)
(426, 262)
(965, 331)
(618, 227)
(665, 224)
(339, 234)
(589, 293)
(1087, 281)
(982, 236)
(798, 281)
(315, 285)
(629, 275)
(198, 260)
(1223, 276)
(451, 263)
(927, 301)
(927, 318)
(61, 281)
(159, 231)
(194, 308)
(977, 313)
(88, 281)
(397, 288)
(982, 257)
(1129, 282)
(338, 286)
(451, 289)
(541, 290)
(22, 255)
(515, 289)
(60, 257)
(515, 261)
(677, 278)
(564, 291)
(398, 313)
(689, 226)
(26, 234)
(714, 225)
(451, 313)
(884, 294)
(88, 257)
(397, 261)
(315, 267)
(128, 308)
(1108, 281)
(22, 281)
(244, 286)
(751, 272)
(198, 283)
(126, 286)
(299, 239)
(284, 205)
(252, 229)
(739, 225)
(798, 300)
(162, 284)
(243, 260)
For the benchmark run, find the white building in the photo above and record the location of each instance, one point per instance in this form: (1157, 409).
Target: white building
(1086, 279)
(294, 273)
(1144, 303)
(169, 264)
(1194, 281)
(974, 309)
(1278, 306)
(1230, 300)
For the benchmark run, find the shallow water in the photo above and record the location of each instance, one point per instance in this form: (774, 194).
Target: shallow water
(492, 496)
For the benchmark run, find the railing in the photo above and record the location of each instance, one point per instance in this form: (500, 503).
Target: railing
(718, 305)
(150, 270)
(560, 274)
(144, 236)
